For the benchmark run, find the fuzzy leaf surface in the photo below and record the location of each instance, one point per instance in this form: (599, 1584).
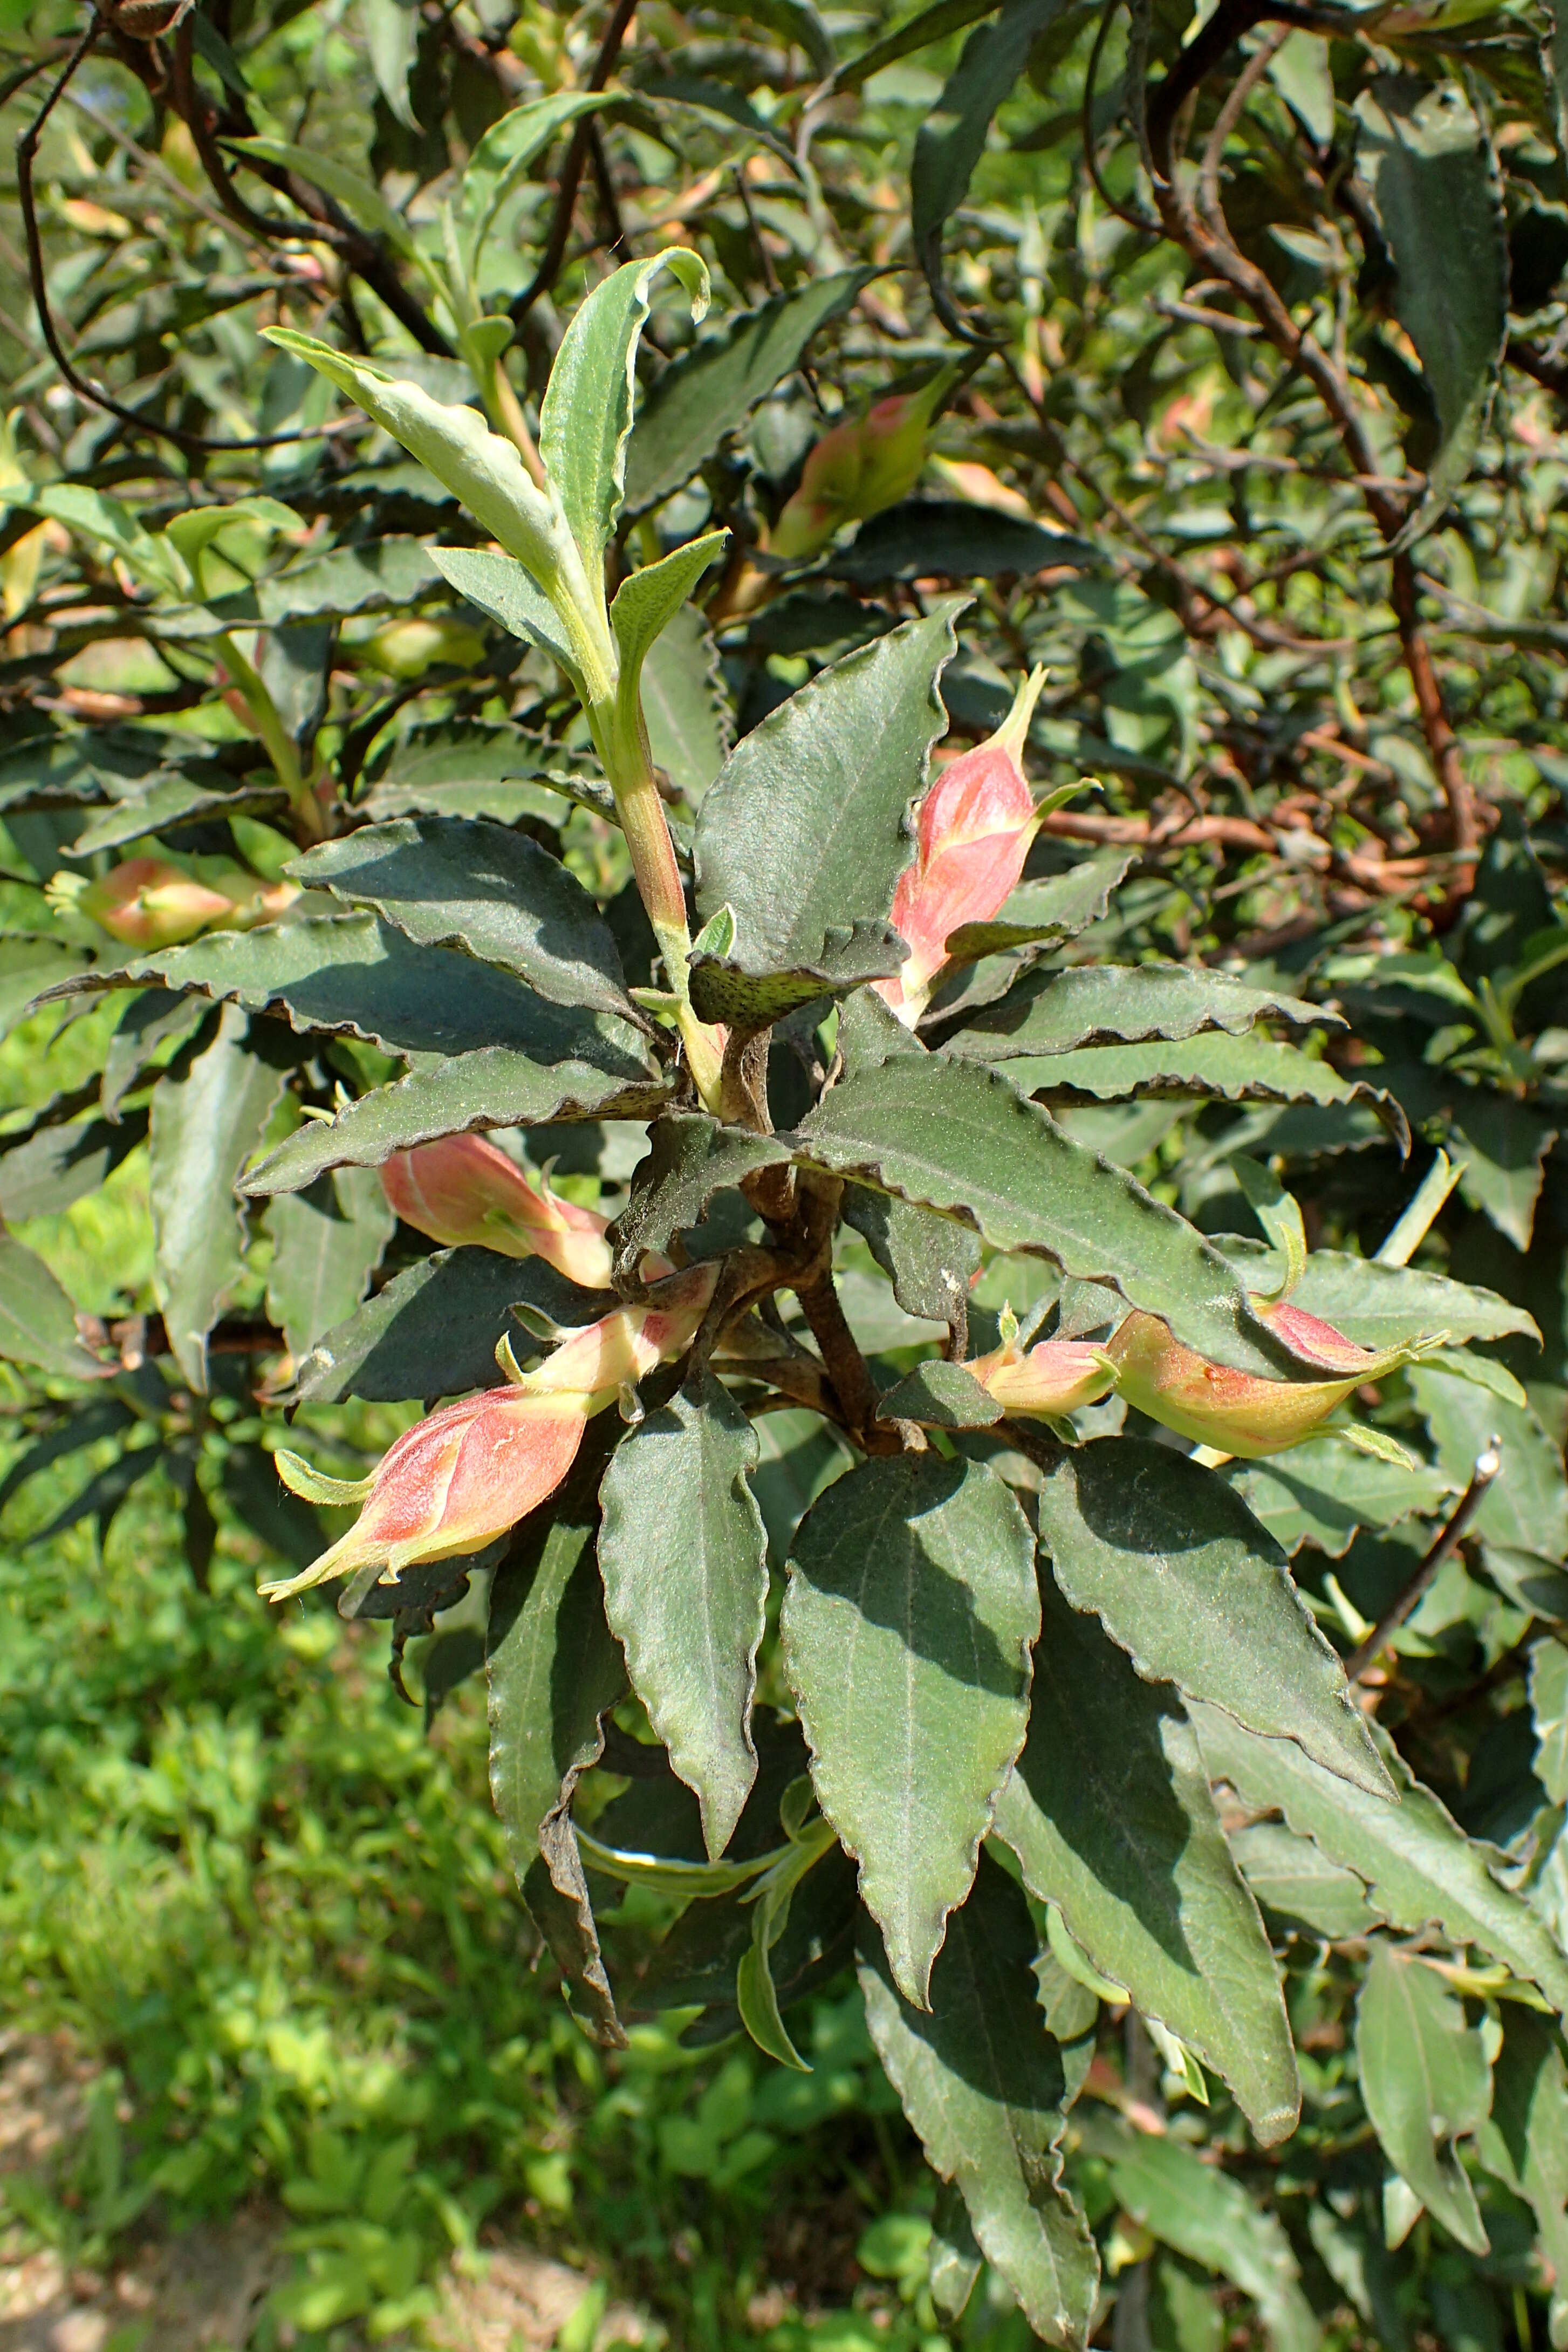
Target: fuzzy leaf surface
(1094, 1004)
(907, 1623)
(1182, 1576)
(982, 2082)
(683, 1555)
(1109, 1813)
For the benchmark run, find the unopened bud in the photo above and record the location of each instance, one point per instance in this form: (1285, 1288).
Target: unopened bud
(465, 1189)
(972, 836)
(149, 902)
(859, 467)
(1053, 1379)
(1243, 1412)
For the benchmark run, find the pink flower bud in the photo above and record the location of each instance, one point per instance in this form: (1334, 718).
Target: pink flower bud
(857, 468)
(466, 1474)
(1240, 1412)
(972, 835)
(148, 903)
(464, 1189)
(453, 1481)
(1053, 1379)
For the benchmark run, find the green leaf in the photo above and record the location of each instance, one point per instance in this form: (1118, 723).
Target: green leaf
(690, 1159)
(1179, 1573)
(684, 1557)
(647, 602)
(587, 411)
(1206, 2216)
(504, 153)
(946, 538)
(1503, 1145)
(916, 32)
(1524, 2141)
(804, 835)
(434, 1329)
(1418, 1865)
(1229, 1069)
(172, 801)
(1433, 177)
(358, 198)
(467, 1095)
(457, 882)
(712, 388)
(502, 587)
(949, 142)
(326, 1244)
(1094, 1004)
(1526, 1507)
(1549, 1711)
(385, 575)
(1425, 2082)
(95, 515)
(1109, 1814)
(907, 1622)
(28, 967)
(795, 23)
(148, 1023)
(58, 1164)
(982, 2082)
(685, 704)
(1044, 913)
(391, 40)
(358, 976)
(940, 1396)
(38, 1320)
(930, 1261)
(1381, 1306)
(1321, 1493)
(1293, 1879)
(476, 465)
(957, 1139)
(208, 1118)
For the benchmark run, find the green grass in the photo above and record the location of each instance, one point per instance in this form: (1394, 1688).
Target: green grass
(240, 1875)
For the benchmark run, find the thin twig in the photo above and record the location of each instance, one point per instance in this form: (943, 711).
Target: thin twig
(571, 169)
(1367, 1653)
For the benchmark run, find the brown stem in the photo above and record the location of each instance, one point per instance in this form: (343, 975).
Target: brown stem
(847, 1368)
(1367, 1653)
(571, 169)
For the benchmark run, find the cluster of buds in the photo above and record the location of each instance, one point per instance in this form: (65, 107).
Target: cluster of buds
(972, 835)
(463, 1476)
(463, 1189)
(858, 468)
(150, 902)
(1235, 1412)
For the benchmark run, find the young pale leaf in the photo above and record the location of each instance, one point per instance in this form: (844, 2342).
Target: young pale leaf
(1097, 1004)
(502, 587)
(1206, 2216)
(434, 1329)
(486, 472)
(712, 388)
(647, 602)
(471, 1092)
(1418, 1865)
(957, 1139)
(207, 1120)
(1181, 1575)
(804, 833)
(1109, 1814)
(982, 2083)
(37, 1321)
(907, 1622)
(455, 882)
(690, 1159)
(326, 1244)
(1433, 176)
(949, 143)
(1380, 1305)
(586, 411)
(1426, 2081)
(683, 1556)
